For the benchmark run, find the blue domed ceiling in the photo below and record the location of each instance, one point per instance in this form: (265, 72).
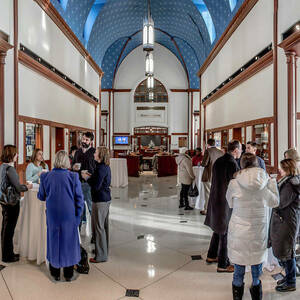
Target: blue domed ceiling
(111, 29)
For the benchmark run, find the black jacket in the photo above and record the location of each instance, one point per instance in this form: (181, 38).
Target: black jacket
(86, 160)
(285, 220)
(218, 211)
(100, 183)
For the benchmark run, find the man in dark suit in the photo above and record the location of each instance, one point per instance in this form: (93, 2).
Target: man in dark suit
(218, 211)
(212, 153)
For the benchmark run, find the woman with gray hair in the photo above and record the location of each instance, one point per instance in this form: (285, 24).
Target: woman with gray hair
(61, 189)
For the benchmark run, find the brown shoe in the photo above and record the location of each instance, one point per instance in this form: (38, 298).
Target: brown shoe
(211, 260)
(203, 212)
(229, 269)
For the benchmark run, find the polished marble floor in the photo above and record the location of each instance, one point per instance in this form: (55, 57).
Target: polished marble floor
(151, 244)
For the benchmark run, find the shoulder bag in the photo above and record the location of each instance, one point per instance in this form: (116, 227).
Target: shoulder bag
(8, 193)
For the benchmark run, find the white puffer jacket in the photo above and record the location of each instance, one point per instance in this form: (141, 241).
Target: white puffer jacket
(250, 195)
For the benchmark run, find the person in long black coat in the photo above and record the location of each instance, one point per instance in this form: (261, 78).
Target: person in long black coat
(285, 223)
(218, 211)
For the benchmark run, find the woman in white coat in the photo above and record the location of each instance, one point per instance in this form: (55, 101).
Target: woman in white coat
(249, 195)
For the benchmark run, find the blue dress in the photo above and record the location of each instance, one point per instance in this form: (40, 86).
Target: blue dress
(61, 189)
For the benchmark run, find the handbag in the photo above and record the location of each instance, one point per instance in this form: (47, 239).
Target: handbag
(8, 193)
(193, 191)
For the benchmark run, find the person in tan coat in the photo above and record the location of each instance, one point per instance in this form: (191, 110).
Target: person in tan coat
(186, 177)
(212, 153)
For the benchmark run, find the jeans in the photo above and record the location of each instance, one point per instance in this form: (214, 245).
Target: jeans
(184, 197)
(9, 221)
(218, 249)
(86, 190)
(239, 273)
(290, 271)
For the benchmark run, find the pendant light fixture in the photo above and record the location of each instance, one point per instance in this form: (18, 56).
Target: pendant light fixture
(149, 64)
(150, 83)
(148, 31)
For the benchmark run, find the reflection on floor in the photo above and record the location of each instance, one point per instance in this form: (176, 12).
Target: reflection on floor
(151, 245)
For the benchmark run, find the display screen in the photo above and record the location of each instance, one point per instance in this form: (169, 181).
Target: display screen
(121, 140)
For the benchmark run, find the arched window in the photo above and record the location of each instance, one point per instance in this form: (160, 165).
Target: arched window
(160, 93)
(232, 4)
(63, 3)
(201, 6)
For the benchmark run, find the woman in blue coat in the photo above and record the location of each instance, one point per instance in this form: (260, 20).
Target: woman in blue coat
(61, 189)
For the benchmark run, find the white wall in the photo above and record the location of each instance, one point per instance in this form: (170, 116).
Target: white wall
(41, 98)
(253, 35)
(288, 14)
(251, 100)
(122, 105)
(41, 35)
(6, 17)
(9, 121)
(167, 69)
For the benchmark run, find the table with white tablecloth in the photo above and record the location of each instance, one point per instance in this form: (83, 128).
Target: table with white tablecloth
(33, 228)
(200, 200)
(119, 172)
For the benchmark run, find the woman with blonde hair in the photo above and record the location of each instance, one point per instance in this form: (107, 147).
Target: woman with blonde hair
(36, 167)
(101, 198)
(292, 153)
(61, 189)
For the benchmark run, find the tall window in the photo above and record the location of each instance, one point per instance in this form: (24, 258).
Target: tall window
(232, 4)
(159, 92)
(207, 18)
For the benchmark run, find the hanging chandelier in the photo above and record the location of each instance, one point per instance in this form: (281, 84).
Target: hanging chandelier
(148, 31)
(149, 64)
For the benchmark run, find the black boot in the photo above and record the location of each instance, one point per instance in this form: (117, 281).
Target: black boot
(187, 205)
(181, 204)
(256, 292)
(237, 292)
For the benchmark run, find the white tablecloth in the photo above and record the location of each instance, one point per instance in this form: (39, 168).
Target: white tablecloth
(200, 200)
(33, 228)
(119, 173)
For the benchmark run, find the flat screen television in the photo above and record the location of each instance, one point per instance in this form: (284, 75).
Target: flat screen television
(121, 140)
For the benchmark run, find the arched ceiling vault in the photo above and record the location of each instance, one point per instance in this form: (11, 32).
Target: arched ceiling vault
(111, 29)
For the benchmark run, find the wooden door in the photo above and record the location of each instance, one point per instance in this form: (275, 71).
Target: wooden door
(60, 139)
(237, 134)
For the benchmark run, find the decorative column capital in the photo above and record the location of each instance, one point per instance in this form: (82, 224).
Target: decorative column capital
(2, 58)
(290, 55)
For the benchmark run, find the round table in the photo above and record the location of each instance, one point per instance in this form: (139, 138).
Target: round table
(119, 172)
(33, 228)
